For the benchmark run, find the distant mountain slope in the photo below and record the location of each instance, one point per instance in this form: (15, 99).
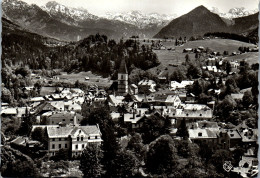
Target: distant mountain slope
(37, 20)
(11, 30)
(197, 22)
(245, 24)
(200, 21)
(71, 24)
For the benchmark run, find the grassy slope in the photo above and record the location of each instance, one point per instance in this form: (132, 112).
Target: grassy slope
(94, 79)
(219, 45)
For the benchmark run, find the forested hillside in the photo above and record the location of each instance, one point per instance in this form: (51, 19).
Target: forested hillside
(96, 53)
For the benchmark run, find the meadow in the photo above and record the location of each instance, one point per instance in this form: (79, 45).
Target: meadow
(177, 57)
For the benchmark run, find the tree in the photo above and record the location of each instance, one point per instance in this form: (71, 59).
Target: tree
(37, 134)
(41, 135)
(247, 99)
(178, 75)
(183, 130)
(90, 161)
(136, 145)
(219, 158)
(161, 157)
(187, 59)
(194, 71)
(7, 96)
(153, 127)
(125, 164)
(204, 99)
(226, 106)
(110, 145)
(228, 67)
(62, 154)
(231, 86)
(187, 149)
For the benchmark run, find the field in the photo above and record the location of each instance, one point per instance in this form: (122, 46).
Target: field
(93, 79)
(177, 56)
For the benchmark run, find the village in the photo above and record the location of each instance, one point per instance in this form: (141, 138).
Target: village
(60, 112)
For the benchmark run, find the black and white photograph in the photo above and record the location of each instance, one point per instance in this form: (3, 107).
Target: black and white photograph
(129, 88)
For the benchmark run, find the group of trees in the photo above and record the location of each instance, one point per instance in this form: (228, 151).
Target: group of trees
(96, 53)
(232, 36)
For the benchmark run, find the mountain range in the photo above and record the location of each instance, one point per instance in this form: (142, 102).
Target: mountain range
(140, 19)
(71, 24)
(200, 21)
(234, 12)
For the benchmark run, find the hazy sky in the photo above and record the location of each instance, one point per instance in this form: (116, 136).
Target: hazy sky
(179, 7)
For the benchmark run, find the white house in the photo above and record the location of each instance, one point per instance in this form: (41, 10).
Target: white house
(74, 138)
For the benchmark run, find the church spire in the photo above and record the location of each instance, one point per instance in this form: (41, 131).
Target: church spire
(122, 68)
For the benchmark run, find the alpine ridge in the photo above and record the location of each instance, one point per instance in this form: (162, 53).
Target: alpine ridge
(200, 21)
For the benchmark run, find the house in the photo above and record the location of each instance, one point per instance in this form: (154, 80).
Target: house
(174, 85)
(146, 86)
(24, 143)
(115, 100)
(191, 113)
(64, 118)
(74, 138)
(134, 121)
(167, 100)
(205, 135)
(229, 138)
(186, 50)
(234, 64)
(56, 77)
(9, 112)
(247, 167)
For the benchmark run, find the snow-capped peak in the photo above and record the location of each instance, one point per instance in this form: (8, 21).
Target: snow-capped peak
(234, 12)
(140, 19)
(54, 8)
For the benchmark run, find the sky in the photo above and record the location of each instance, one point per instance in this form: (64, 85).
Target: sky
(178, 7)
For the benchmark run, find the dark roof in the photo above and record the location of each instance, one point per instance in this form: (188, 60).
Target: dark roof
(114, 86)
(122, 69)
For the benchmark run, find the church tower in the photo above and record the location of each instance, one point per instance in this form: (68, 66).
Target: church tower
(122, 79)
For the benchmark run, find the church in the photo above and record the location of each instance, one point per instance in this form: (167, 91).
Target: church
(122, 79)
(120, 86)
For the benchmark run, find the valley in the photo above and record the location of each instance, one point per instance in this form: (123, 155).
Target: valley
(130, 93)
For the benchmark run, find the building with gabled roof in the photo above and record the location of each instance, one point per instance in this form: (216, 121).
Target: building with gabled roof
(74, 138)
(207, 135)
(64, 117)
